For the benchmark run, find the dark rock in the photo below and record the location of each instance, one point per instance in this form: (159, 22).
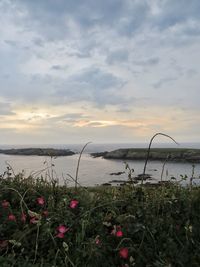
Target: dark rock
(98, 154)
(171, 154)
(117, 181)
(151, 185)
(143, 177)
(38, 152)
(106, 184)
(117, 173)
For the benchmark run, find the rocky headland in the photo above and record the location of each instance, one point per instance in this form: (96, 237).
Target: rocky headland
(171, 154)
(37, 152)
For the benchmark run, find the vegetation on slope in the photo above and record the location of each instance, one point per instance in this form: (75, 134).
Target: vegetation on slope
(44, 224)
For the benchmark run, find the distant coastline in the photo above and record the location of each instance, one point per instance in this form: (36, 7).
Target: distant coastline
(37, 152)
(171, 154)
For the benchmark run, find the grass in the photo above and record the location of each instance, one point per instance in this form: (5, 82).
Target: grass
(158, 227)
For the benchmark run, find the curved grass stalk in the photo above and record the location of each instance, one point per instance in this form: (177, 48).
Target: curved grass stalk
(36, 243)
(73, 179)
(56, 256)
(21, 197)
(36, 173)
(163, 167)
(69, 260)
(149, 148)
(78, 164)
(123, 240)
(192, 177)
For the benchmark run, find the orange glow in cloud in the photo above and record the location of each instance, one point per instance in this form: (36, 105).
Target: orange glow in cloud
(108, 123)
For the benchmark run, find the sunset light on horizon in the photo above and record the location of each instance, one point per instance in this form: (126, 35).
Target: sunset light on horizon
(100, 71)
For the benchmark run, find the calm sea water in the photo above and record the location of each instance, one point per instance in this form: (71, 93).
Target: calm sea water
(94, 171)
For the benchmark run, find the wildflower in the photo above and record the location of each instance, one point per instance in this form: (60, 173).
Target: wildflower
(123, 253)
(62, 229)
(11, 217)
(73, 203)
(119, 233)
(41, 201)
(23, 217)
(5, 204)
(60, 235)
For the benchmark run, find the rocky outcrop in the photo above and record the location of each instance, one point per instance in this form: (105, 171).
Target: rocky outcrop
(38, 152)
(98, 154)
(173, 154)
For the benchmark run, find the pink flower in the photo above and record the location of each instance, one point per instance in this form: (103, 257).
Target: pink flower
(23, 217)
(11, 217)
(45, 213)
(60, 235)
(62, 229)
(73, 203)
(119, 233)
(123, 253)
(5, 204)
(41, 201)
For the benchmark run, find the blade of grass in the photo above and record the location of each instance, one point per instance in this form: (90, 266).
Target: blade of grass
(149, 148)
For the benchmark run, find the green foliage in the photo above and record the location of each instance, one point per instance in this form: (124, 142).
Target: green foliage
(158, 225)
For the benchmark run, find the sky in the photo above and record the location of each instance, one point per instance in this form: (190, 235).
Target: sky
(73, 71)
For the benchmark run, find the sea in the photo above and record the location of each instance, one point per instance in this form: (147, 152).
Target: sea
(96, 171)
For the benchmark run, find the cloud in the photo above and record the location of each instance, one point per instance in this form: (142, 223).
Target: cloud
(92, 59)
(92, 85)
(5, 109)
(69, 118)
(164, 81)
(86, 14)
(118, 56)
(173, 12)
(107, 123)
(11, 43)
(58, 67)
(147, 62)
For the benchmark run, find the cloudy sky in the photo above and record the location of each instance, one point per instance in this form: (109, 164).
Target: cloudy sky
(73, 71)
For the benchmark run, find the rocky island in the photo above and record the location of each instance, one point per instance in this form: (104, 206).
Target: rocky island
(171, 154)
(37, 152)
